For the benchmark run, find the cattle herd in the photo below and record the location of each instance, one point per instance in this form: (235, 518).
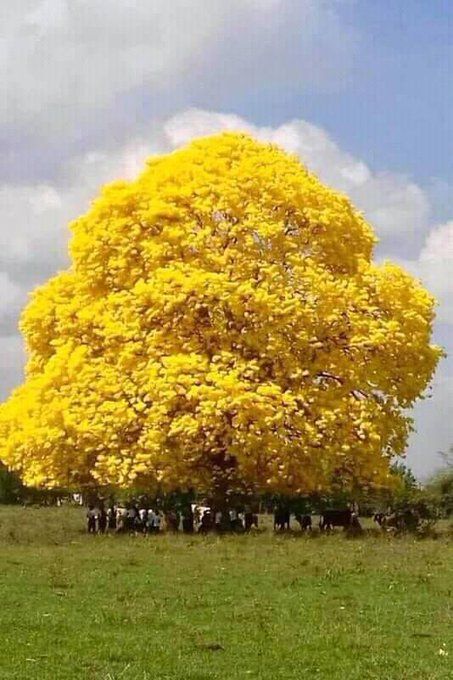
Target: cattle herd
(140, 518)
(400, 520)
(347, 518)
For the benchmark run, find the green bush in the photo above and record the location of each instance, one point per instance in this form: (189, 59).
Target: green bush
(441, 488)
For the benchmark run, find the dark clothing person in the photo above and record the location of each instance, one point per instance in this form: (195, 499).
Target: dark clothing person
(218, 520)
(142, 520)
(111, 518)
(131, 517)
(187, 521)
(172, 520)
(250, 520)
(91, 520)
(102, 521)
(206, 523)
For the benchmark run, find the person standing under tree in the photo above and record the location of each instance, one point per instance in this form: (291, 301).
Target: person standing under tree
(91, 520)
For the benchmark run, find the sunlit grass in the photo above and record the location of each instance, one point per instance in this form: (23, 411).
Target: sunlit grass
(196, 608)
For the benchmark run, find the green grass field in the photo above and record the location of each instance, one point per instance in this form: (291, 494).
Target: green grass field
(76, 607)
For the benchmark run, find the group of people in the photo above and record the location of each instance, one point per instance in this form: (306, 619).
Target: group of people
(135, 517)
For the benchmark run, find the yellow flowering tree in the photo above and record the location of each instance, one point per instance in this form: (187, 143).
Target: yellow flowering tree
(222, 324)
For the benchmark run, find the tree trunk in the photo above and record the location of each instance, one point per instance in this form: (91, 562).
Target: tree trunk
(224, 475)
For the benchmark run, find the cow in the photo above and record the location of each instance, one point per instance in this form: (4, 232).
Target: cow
(250, 520)
(198, 511)
(379, 518)
(400, 520)
(282, 518)
(206, 523)
(305, 522)
(339, 518)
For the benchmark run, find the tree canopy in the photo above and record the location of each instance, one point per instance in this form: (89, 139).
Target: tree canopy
(221, 323)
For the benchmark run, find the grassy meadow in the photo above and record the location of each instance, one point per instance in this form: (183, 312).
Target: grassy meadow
(180, 607)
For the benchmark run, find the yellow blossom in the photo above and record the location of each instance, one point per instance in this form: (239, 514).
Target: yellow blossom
(222, 311)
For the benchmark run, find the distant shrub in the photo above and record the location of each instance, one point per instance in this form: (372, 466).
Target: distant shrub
(441, 488)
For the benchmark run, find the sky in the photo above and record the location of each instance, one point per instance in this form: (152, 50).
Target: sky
(360, 90)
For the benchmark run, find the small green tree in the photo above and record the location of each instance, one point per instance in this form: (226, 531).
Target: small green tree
(440, 486)
(406, 478)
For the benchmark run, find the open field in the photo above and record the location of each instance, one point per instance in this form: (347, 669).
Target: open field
(202, 608)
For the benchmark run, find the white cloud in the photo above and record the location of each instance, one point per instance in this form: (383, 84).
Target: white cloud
(71, 70)
(11, 299)
(433, 428)
(439, 244)
(27, 229)
(434, 267)
(11, 363)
